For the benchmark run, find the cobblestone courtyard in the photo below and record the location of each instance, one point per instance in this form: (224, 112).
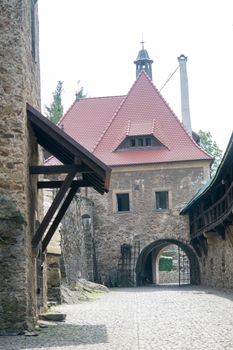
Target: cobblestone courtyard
(141, 318)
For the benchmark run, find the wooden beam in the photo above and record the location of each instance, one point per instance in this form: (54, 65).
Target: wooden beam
(59, 169)
(196, 247)
(94, 180)
(203, 244)
(49, 215)
(59, 216)
(58, 184)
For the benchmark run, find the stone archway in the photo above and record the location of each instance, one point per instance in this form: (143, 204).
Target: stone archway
(144, 263)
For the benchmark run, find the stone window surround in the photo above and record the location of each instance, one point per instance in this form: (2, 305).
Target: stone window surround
(114, 201)
(154, 190)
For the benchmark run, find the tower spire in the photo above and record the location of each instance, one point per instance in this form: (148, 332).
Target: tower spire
(143, 61)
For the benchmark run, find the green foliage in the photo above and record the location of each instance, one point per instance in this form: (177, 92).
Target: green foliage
(55, 111)
(80, 93)
(165, 263)
(211, 147)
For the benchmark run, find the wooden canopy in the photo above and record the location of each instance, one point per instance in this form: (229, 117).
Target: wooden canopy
(74, 159)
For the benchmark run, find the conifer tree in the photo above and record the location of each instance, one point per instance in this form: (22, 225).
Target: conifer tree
(211, 147)
(55, 111)
(80, 93)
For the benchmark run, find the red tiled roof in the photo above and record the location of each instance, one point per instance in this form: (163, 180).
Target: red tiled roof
(101, 124)
(87, 118)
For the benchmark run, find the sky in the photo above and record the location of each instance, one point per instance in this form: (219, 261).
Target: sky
(96, 42)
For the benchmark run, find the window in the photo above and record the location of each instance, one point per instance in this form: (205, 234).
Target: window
(122, 201)
(148, 141)
(132, 142)
(140, 142)
(161, 200)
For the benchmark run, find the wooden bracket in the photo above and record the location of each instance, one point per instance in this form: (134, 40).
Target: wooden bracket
(53, 208)
(59, 216)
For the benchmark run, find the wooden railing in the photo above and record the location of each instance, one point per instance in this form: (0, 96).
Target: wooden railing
(214, 215)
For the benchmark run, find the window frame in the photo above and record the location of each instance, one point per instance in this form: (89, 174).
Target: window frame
(115, 201)
(168, 200)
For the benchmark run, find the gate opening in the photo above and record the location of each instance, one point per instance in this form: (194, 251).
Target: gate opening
(172, 266)
(167, 262)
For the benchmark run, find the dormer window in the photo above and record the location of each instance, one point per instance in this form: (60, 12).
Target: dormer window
(148, 141)
(140, 142)
(132, 142)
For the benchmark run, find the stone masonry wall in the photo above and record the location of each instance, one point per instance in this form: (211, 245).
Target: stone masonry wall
(217, 265)
(142, 223)
(77, 241)
(19, 84)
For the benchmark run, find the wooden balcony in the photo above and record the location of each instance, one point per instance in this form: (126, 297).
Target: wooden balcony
(218, 215)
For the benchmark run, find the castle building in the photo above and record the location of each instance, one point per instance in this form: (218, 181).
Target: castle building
(156, 168)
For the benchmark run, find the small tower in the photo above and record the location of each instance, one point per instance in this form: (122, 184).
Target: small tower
(143, 62)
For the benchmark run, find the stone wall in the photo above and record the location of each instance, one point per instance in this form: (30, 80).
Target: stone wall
(19, 84)
(77, 241)
(143, 223)
(169, 277)
(217, 265)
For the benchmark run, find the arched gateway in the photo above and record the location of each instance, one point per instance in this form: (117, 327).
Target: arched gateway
(147, 263)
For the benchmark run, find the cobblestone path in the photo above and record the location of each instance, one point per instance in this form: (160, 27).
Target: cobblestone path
(140, 318)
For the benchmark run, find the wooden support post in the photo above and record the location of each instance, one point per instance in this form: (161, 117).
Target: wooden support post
(56, 202)
(196, 247)
(59, 216)
(204, 245)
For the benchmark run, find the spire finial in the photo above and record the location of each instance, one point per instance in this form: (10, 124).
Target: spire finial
(142, 42)
(143, 61)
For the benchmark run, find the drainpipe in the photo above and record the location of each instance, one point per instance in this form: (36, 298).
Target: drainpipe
(184, 94)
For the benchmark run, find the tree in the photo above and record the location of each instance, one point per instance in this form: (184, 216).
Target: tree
(211, 147)
(55, 111)
(80, 93)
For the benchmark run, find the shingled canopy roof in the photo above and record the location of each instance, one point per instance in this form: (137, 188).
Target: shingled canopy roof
(76, 160)
(68, 151)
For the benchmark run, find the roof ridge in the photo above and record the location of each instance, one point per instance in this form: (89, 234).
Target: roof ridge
(114, 116)
(153, 126)
(128, 127)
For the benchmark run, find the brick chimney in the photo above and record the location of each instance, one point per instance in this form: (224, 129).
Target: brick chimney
(184, 94)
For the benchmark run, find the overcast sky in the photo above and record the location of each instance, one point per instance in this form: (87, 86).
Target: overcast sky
(96, 42)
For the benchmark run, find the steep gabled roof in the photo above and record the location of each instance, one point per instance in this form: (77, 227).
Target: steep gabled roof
(145, 105)
(101, 125)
